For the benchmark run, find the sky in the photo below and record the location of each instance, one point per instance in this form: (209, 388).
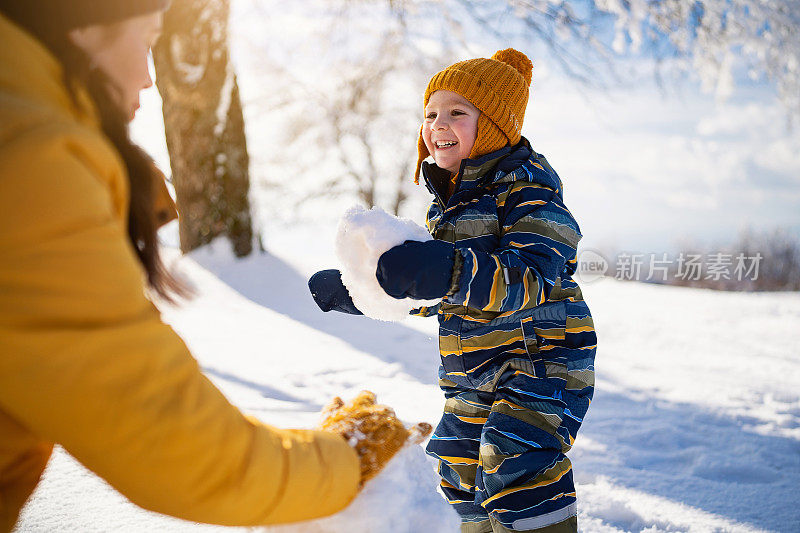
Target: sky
(645, 169)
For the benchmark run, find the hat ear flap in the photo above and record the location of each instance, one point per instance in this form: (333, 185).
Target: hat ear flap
(422, 153)
(489, 138)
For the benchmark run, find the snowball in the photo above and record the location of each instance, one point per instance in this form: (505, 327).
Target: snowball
(362, 237)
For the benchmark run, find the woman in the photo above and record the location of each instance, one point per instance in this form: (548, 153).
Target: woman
(85, 361)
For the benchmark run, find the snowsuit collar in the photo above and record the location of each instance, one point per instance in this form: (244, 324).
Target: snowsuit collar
(511, 163)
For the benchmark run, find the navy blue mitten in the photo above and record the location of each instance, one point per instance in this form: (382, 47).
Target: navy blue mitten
(419, 270)
(330, 293)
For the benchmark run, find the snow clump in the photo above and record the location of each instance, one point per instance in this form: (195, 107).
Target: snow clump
(363, 236)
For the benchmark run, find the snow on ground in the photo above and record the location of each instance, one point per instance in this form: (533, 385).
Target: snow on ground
(695, 424)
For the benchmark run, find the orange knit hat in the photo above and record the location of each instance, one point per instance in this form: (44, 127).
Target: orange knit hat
(498, 87)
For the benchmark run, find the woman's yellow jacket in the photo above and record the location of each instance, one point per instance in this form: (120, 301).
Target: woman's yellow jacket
(85, 361)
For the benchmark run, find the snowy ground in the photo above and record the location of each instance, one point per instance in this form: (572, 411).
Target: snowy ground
(695, 424)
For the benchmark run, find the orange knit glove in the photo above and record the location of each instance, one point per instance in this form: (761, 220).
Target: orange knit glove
(372, 429)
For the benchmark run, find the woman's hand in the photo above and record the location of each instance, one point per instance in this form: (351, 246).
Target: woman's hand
(372, 429)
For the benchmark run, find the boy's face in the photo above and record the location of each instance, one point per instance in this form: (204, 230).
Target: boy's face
(450, 128)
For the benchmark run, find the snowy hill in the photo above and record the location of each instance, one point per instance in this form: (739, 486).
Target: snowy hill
(695, 424)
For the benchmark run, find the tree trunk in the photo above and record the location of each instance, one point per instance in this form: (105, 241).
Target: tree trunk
(204, 125)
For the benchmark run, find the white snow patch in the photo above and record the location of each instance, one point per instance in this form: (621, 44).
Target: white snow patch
(225, 100)
(191, 73)
(380, 506)
(362, 238)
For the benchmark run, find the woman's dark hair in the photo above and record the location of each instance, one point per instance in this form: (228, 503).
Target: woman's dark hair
(141, 170)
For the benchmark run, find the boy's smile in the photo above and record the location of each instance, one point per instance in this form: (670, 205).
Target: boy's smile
(450, 128)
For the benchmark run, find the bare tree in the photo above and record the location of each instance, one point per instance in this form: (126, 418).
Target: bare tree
(204, 125)
(715, 37)
(351, 127)
(779, 250)
(359, 124)
(712, 38)
(758, 260)
(342, 119)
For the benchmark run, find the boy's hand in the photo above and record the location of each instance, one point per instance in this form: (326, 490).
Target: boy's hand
(330, 293)
(419, 270)
(372, 429)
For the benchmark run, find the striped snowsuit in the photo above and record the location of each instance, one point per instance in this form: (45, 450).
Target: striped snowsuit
(517, 345)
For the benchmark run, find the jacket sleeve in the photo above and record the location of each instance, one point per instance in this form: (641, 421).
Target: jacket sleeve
(86, 362)
(538, 240)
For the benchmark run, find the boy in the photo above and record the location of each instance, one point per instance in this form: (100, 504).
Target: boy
(517, 341)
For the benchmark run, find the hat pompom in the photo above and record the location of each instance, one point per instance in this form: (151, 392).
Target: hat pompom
(518, 60)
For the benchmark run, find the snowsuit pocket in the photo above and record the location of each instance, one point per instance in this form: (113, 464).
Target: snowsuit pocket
(450, 346)
(545, 337)
(532, 346)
